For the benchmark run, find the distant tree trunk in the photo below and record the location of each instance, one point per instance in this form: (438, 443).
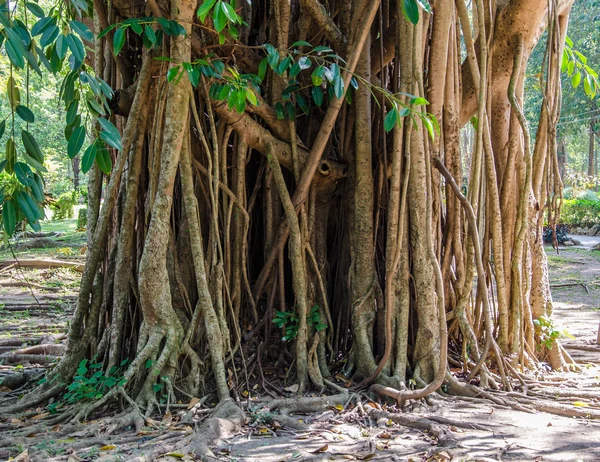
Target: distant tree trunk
(76, 172)
(591, 151)
(562, 155)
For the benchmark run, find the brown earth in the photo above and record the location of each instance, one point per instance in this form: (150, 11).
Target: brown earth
(36, 317)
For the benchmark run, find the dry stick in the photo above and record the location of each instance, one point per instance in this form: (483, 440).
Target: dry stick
(479, 264)
(313, 160)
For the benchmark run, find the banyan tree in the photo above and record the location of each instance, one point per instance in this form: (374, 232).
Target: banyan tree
(281, 184)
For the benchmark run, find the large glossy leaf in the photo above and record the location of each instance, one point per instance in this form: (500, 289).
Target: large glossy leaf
(25, 113)
(76, 141)
(103, 158)
(11, 156)
(31, 146)
(89, 156)
(410, 10)
(24, 174)
(9, 217)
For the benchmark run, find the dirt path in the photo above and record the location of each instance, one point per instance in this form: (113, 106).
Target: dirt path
(502, 433)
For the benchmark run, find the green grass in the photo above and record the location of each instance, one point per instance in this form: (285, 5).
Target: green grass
(70, 239)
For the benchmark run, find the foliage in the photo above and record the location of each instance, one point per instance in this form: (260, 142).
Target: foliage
(64, 205)
(547, 331)
(55, 38)
(580, 212)
(289, 321)
(90, 383)
(82, 218)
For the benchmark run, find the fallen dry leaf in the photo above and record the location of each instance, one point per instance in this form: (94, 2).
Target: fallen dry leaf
(367, 457)
(4, 389)
(193, 402)
(74, 458)
(108, 447)
(40, 416)
(321, 449)
(580, 404)
(292, 388)
(167, 419)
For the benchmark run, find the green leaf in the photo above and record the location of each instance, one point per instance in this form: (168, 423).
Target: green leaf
(262, 69)
(322, 49)
(229, 12)
(136, 27)
(338, 87)
(283, 65)
(35, 9)
(10, 156)
(43, 24)
(61, 46)
(76, 141)
(279, 110)
(301, 43)
(103, 159)
(82, 30)
(150, 34)
(49, 35)
(425, 5)
(25, 113)
(76, 47)
(27, 206)
(205, 9)
(410, 10)
(37, 188)
(576, 80)
(251, 97)
(12, 91)
(418, 101)
(34, 163)
(106, 31)
(588, 87)
(291, 110)
(390, 119)
(24, 174)
(9, 217)
(429, 126)
(2, 128)
(219, 17)
(317, 76)
(317, 95)
(89, 156)
(118, 40)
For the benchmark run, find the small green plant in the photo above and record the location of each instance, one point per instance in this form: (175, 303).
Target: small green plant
(82, 218)
(90, 383)
(63, 207)
(290, 322)
(547, 331)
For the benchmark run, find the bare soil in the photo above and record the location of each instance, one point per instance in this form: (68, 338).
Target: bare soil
(480, 429)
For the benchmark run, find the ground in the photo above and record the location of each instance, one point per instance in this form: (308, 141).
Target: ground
(36, 304)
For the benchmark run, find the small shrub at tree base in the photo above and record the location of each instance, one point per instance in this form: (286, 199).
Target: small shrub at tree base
(291, 322)
(64, 207)
(82, 218)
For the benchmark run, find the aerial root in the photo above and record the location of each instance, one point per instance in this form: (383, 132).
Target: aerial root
(306, 404)
(441, 432)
